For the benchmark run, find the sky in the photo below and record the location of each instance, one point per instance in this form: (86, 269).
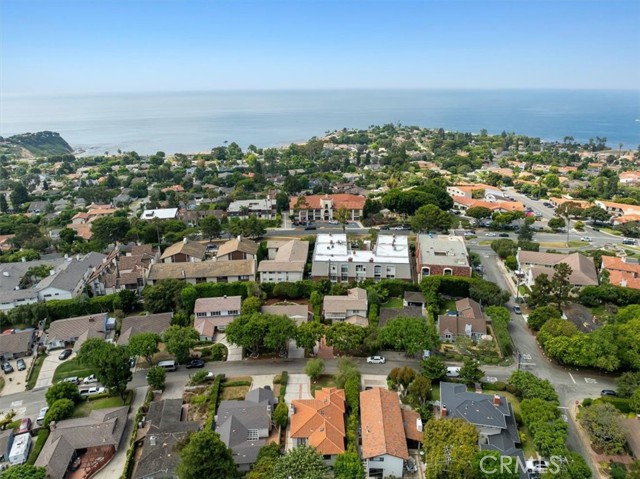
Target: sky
(86, 46)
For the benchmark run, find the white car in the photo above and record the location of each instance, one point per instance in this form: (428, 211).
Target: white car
(333, 222)
(453, 371)
(92, 391)
(586, 238)
(376, 360)
(90, 379)
(490, 234)
(41, 415)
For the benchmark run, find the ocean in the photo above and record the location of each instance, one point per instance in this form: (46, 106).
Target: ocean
(192, 122)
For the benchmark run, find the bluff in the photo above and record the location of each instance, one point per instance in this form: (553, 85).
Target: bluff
(42, 143)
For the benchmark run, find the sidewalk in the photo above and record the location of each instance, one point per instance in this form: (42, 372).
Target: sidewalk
(115, 467)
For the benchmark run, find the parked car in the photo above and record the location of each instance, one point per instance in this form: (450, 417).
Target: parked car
(517, 310)
(490, 234)
(586, 238)
(628, 241)
(608, 392)
(384, 228)
(503, 235)
(7, 368)
(72, 379)
(65, 354)
(536, 465)
(90, 379)
(310, 227)
(333, 222)
(41, 415)
(410, 465)
(195, 363)
(376, 360)
(25, 426)
(21, 364)
(453, 371)
(92, 391)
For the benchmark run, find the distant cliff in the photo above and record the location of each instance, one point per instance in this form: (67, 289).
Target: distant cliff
(42, 143)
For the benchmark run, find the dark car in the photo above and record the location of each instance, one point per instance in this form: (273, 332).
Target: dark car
(65, 354)
(7, 368)
(21, 364)
(608, 392)
(516, 309)
(310, 227)
(503, 235)
(195, 363)
(384, 228)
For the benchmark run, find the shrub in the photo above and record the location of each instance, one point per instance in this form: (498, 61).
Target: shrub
(199, 378)
(156, 377)
(281, 414)
(43, 434)
(284, 379)
(61, 409)
(500, 324)
(218, 352)
(214, 396)
(621, 404)
(63, 390)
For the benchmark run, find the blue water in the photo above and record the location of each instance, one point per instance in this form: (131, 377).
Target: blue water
(198, 121)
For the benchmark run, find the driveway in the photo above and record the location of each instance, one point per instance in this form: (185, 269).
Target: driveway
(294, 351)
(16, 381)
(49, 365)
(298, 387)
(115, 467)
(261, 380)
(234, 352)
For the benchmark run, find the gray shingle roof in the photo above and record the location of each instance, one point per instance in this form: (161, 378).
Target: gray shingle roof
(16, 343)
(151, 323)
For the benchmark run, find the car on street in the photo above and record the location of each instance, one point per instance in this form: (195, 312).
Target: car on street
(92, 391)
(195, 363)
(90, 379)
(376, 360)
(490, 234)
(384, 228)
(517, 310)
(21, 364)
(586, 238)
(64, 354)
(333, 222)
(503, 235)
(72, 379)
(536, 465)
(41, 415)
(310, 227)
(7, 368)
(608, 392)
(25, 426)
(628, 241)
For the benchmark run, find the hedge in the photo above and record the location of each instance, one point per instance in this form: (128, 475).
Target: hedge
(214, 397)
(128, 465)
(43, 434)
(297, 290)
(214, 290)
(592, 296)
(500, 324)
(374, 317)
(284, 379)
(621, 404)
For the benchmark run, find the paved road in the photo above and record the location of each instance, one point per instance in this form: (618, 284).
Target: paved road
(571, 385)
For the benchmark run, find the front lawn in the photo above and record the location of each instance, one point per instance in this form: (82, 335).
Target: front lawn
(69, 369)
(84, 408)
(35, 371)
(393, 303)
(449, 305)
(611, 231)
(324, 381)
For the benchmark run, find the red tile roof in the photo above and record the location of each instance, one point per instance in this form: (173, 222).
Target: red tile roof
(321, 421)
(350, 202)
(382, 426)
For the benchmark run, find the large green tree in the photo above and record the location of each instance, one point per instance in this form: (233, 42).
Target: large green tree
(448, 446)
(59, 410)
(110, 229)
(62, 390)
(205, 455)
(25, 471)
(348, 466)
(308, 334)
(345, 336)
(433, 368)
(145, 345)
(163, 296)
(210, 227)
(602, 423)
(302, 462)
(409, 334)
(431, 218)
(110, 363)
(179, 340)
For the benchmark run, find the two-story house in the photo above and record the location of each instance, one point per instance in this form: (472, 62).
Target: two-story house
(324, 207)
(351, 308)
(286, 263)
(319, 422)
(214, 314)
(237, 249)
(468, 320)
(184, 251)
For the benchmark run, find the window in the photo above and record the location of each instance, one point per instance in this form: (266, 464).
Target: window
(201, 315)
(447, 272)
(377, 271)
(252, 435)
(391, 272)
(216, 313)
(344, 272)
(233, 312)
(244, 278)
(426, 271)
(201, 280)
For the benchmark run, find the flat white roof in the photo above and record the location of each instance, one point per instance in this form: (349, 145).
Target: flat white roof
(161, 214)
(388, 249)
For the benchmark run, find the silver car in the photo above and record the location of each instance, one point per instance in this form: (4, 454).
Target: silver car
(376, 360)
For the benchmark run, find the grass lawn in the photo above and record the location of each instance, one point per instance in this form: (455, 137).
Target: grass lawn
(485, 242)
(563, 244)
(84, 408)
(435, 392)
(393, 303)
(611, 231)
(324, 381)
(234, 393)
(35, 372)
(71, 368)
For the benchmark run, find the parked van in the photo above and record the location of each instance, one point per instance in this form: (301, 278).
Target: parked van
(20, 449)
(170, 365)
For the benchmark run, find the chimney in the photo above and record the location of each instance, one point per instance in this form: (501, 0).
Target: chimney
(184, 240)
(443, 411)
(496, 400)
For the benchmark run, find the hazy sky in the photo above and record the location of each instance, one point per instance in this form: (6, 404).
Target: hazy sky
(149, 45)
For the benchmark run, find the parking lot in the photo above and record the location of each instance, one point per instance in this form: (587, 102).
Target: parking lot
(16, 381)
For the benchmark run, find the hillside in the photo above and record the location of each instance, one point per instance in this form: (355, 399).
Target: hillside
(42, 143)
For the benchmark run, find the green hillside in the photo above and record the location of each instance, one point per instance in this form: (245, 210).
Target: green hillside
(42, 143)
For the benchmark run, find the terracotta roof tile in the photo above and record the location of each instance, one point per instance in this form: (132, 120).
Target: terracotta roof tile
(382, 426)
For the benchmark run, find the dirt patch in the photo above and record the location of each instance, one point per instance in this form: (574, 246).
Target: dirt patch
(237, 393)
(280, 302)
(198, 401)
